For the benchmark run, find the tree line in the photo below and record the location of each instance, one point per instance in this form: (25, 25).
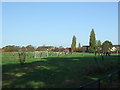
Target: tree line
(30, 48)
(94, 45)
(13, 48)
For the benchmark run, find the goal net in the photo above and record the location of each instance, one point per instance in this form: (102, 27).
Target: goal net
(41, 54)
(56, 53)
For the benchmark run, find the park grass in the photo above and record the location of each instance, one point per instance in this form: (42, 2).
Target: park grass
(69, 71)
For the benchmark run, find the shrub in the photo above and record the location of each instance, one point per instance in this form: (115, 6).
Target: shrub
(22, 57)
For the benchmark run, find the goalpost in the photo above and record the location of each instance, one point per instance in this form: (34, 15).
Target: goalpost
(41, 54)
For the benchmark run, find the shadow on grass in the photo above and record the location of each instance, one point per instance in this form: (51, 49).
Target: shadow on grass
(54, 72)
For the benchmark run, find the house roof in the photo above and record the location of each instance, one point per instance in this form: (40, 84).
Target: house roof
(47, 46)
(116, 45)
(67, 48)
(86, 46)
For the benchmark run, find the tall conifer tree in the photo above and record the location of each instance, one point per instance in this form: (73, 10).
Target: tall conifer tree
(73, 45)
(79, 45)
(92, 42)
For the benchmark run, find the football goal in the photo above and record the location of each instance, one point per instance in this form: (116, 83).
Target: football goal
(41, 54)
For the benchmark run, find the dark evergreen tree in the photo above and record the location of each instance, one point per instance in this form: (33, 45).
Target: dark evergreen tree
(73, 45)
(92, 42)
(99, 46)
(79, 46)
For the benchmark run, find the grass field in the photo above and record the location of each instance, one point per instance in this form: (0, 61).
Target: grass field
(68, 71)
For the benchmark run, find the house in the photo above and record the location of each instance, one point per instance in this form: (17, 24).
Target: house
(49, 47)
(115, 49)
(68, 50)
(45, 48)
(86, 48)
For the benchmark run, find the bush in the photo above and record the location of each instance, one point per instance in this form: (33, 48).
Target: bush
(22, 57)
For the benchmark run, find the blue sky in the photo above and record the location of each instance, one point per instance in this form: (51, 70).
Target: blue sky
(55, 24)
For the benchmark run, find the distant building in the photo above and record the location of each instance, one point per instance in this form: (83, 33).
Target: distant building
(45, 48)
(87, 48)
(49, 47)
(115, 49)
(68, 50)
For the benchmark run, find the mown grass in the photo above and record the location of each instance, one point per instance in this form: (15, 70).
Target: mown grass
(69, 71)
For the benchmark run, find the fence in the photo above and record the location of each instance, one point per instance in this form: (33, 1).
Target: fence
(110, 76)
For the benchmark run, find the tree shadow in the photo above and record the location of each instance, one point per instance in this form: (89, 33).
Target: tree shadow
(54, 72)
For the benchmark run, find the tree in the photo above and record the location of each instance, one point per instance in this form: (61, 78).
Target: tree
(73, 45)
(38, 48)
(79, 46)
(106, 46)
(10, 48)
(30, 48)
(22, 57)
(23, 49)
(42, 48)
(98, 45)
(16, 48)
(92, 42)
(55, 49)
(61, 49)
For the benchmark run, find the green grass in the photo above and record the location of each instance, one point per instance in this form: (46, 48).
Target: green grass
(69, 71)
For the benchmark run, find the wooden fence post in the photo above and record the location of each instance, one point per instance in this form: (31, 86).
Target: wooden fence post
(99, 84)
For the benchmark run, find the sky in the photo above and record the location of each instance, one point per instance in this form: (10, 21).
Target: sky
(55, 23)
(119, 23)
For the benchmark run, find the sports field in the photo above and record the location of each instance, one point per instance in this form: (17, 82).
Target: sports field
(65, 71)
